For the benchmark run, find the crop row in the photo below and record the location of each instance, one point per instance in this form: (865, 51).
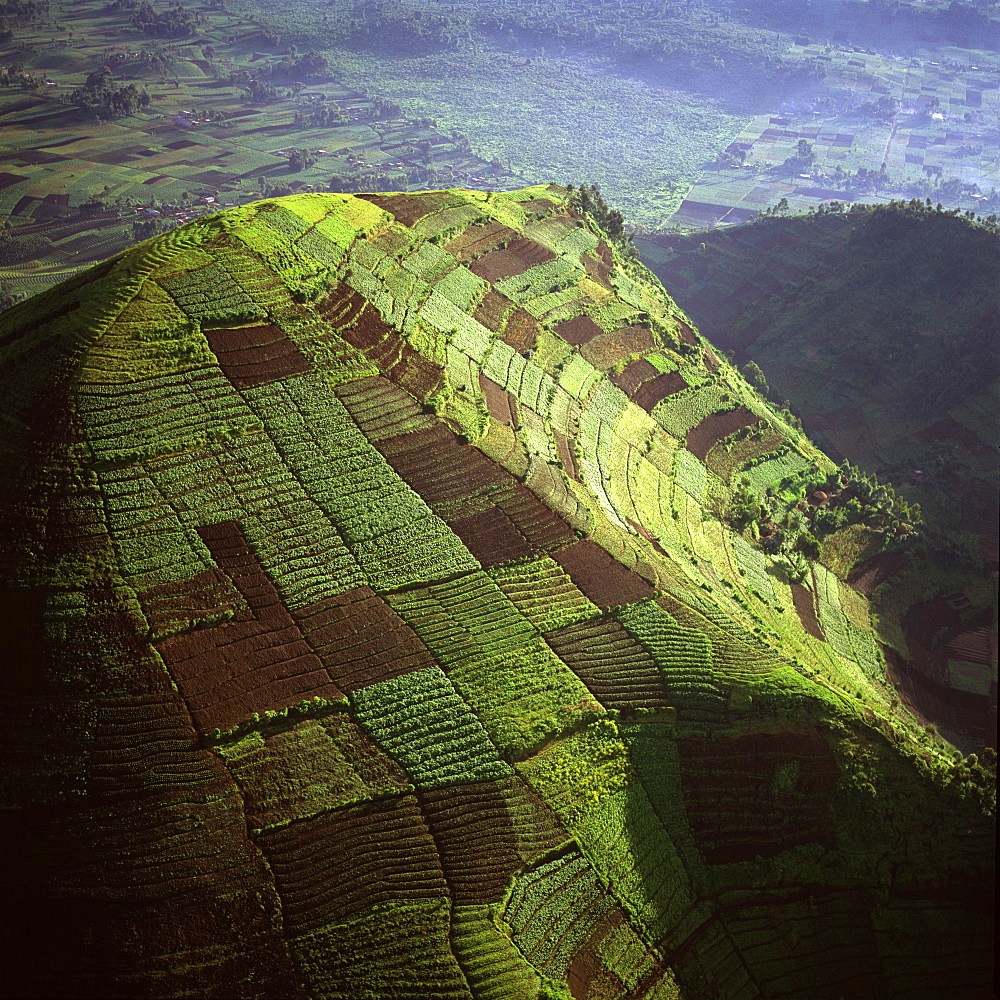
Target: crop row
(684, 655)
(380, 409)
(681, 411)
(424, 724)
(336, 865)
(539, 280)
(519, 689)
(615, 668)
(282, 221)
(429, 261)
(576, 242)
(754, 565)
(160, 414)
(394, 951)
(384, 523)
(316, 766)
(574, 775)
(360, 639)
(544, 594)
(494, 969)
(768, 469)
(210, 293)
(553, 910)
(476, 838)
(632, 850)
(690, 473)
(461, 287)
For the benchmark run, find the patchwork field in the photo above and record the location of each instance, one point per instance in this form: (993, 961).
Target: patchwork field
(846, 317)
(876, 128)
(377, 626)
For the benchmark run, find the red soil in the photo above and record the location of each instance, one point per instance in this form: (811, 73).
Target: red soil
(539, 205)
(408, 208)
(255, 355)
(471, 825)
(336, 866)
(607, 349)
(868, 575)
(359, 323)
(601, 578)
(974, 645)
(735, 801)
(650, 393)
(491, 537)
(521, 331)
(578, 330)
(803, 600)
(229, 671)
(502, 405)
(633, 375)
(610, 661)
(360, 639)
(514, 259)
(587, 974)
(599, 264)
(442, 469)
(477, 240)
(181, 604)
(924, 623)
(685, 334)
(493, 309)
(446, 472)
(716, 426)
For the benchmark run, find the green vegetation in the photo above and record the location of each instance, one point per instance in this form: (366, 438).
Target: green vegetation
(886, 349)
(407, 575)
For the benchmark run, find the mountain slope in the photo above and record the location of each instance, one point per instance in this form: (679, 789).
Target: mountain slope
(879, 325)
(378, 629)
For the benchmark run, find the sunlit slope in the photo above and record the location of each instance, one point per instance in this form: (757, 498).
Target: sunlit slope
(880, 326)
(371, 630)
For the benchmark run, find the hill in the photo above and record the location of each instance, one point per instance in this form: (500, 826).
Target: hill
(377, 626)
(879, 327)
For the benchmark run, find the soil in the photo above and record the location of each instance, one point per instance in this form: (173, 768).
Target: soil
(717, 426)
(601, 578)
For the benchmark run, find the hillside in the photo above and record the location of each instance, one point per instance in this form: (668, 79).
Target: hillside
(879, 327)
(379, 625)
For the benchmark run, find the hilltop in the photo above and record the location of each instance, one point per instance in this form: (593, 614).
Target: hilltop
(878, 326)
(405, 600)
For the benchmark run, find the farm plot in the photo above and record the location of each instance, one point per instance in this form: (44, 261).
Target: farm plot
(497, 661)
(424, 724)
(936, 136)
(683, 655)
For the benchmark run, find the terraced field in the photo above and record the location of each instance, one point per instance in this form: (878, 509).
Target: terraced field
(377, 627)
(847, 317)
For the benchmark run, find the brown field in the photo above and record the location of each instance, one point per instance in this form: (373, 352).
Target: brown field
(360, 639)
(803, 600)
(610, 661)
(254, 355)
(738, 810)
(493, 310)
(336, 866)
(601, 578)
(578, 330)
(716, 426)
(519, 255)
(650, 393)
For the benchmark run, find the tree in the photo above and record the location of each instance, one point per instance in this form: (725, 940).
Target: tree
(753, 374)
(300, 159)
(807, 545)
